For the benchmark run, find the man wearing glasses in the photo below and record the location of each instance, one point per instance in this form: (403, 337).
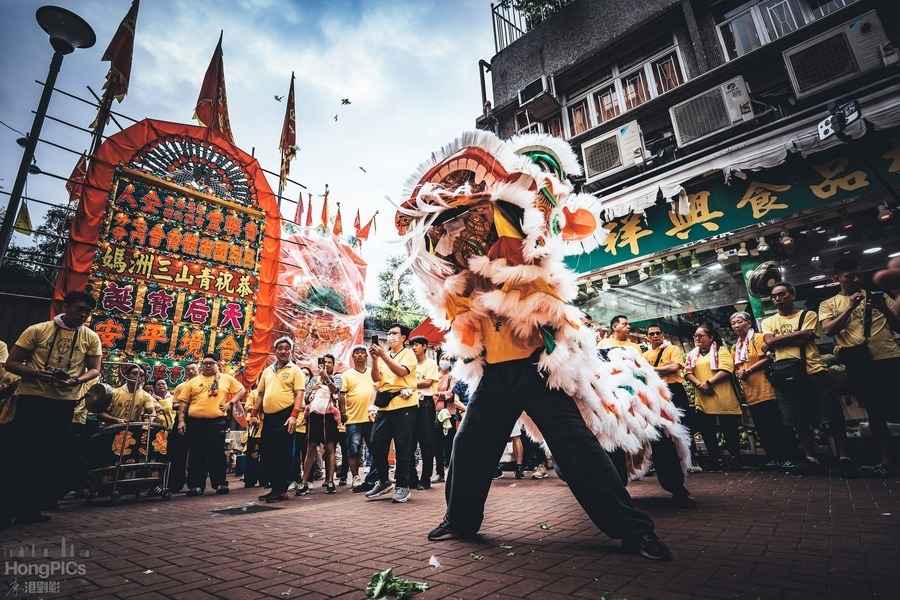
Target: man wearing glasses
(394, 374)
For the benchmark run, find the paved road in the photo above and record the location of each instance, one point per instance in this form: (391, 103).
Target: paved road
(755, 535)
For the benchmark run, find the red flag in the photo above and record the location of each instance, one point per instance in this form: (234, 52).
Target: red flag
(356, 223)
(298, 214)
(338, 225)
(212, 105)
(309, 222)
(75, 184)
(325, 209)
(119, 53)
(288, 144)
(364, 232)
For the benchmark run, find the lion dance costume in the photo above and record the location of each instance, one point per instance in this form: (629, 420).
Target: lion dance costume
(485, 223)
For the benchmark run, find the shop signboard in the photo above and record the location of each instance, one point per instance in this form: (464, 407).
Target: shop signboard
(176, 274)
(765, 196)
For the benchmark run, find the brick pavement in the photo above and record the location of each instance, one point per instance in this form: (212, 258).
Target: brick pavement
(755, 535)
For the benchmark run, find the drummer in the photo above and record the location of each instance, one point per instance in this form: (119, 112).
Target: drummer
(129, 401)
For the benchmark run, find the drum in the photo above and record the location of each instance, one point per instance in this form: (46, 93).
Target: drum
(135, 442)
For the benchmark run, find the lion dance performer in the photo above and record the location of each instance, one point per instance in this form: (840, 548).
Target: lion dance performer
(485, 223)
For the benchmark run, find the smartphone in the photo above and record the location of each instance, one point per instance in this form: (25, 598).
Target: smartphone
(375, 340)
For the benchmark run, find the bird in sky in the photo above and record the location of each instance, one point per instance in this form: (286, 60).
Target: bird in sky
(278, 98)
(363, 170)
(345, 100)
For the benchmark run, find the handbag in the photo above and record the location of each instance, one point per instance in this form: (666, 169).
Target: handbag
(854, 357)
(382, 399)
(787, 372)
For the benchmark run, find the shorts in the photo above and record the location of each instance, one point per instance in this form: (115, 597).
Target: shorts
(357, 433)
(517, 429)
(321, 429)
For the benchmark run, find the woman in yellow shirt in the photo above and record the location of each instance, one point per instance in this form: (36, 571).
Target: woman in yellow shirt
(709, 368)
(750, 360)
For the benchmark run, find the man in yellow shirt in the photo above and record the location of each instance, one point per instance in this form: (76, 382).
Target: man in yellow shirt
(801, 377)
(863, 325)
(54, 359)
(204, 401)
(280, 399)
(394, 374)
(130, 402)
(427, 376)
(358, 391)
(619, 338)
(177, 443)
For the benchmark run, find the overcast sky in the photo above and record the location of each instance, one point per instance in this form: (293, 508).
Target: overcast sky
(409, 69)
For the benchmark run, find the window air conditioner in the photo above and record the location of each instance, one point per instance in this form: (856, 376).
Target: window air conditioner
(837, 55)
(613, 151)
(715, 110)
(539, 97)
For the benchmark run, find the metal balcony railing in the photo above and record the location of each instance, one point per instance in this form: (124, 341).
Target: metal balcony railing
(511, 23)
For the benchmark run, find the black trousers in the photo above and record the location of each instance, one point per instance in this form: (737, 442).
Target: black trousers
(276, 449)
(711, 425)
(206, 444)
(178, 453)
(397, 425)
(507, 389)
(770, 427)
(426, 440)
(344, 467)
(36, 441)
(298, 456)
(253, 469)
(665, 462)
(868, 382)
(445, 448)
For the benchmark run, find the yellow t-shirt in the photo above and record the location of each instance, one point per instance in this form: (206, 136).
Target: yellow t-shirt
(165, 410)
(203, 406)
(390, 382)
(670, 354)
(882, 343)
(428, 369)
(780, 325)
(612, 342)
(501, 346)
(68, 352)
(360, 391)
(121, 399)
(757, 387)
(723, 400)
(281, 386)
(250, 404)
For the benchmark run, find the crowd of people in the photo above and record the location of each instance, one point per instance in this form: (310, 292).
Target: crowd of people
(393, 401)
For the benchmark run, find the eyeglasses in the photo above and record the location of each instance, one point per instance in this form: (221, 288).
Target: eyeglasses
(654, 333)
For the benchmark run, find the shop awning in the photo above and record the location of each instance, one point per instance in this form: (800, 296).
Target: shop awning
(880, 110)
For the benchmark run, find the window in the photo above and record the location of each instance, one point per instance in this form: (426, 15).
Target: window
(779, 19)
(579, 120)
(823, 8)
(606, 102)
(635, 89)
(524, 124)
(553, 126)
(667, 72)
(739, 35)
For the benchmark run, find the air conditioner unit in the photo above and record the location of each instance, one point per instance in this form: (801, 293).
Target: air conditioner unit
(837, 55)
(715, 110)
(613, 151)
(539, 97)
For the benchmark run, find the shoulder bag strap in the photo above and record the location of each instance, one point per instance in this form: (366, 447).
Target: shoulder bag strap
(867, 317)
(803, 314)
(658, 357)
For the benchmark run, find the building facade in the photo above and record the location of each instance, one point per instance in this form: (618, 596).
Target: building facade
(714, 135)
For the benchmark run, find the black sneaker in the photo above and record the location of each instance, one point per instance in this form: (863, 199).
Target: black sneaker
(363, 487)
(649, 546)
(498, 474)
(302, 490)
(329, 488)
(267, 495)
(420, 487)
(520, 472)
(683, 499)
(276, 498)
(444, 532)
(194, 492)
(382, 488)
(222, 490)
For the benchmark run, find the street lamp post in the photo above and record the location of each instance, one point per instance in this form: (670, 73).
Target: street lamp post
(67, 31)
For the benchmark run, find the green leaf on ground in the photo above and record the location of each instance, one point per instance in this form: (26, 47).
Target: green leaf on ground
(384, 584)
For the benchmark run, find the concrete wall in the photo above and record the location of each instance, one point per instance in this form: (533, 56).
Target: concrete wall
(580, 28)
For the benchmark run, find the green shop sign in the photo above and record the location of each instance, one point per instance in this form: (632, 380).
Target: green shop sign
(765, 196)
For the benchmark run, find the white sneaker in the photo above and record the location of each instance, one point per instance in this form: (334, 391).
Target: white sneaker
(357, 480)
(540, 472)
(695, 469)
(401, 495)
(292, 487)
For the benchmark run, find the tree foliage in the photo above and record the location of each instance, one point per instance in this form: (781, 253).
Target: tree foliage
(535, 11)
